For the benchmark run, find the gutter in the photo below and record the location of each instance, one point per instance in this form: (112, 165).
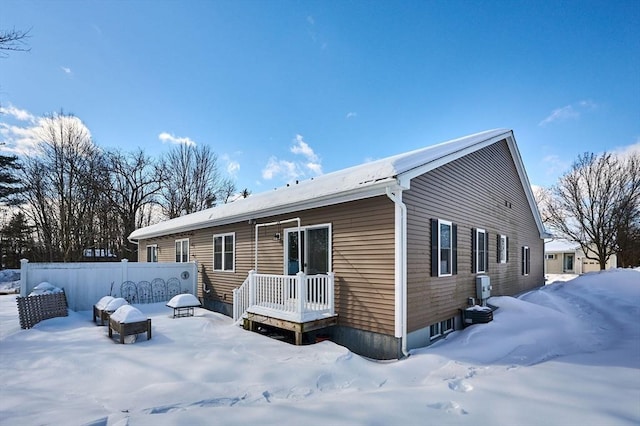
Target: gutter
(400, 263)
(367, 190)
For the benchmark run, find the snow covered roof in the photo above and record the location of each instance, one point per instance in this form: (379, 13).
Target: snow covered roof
(561, 246)
(358, 182)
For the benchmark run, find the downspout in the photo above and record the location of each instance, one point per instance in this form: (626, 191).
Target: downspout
(401, 265)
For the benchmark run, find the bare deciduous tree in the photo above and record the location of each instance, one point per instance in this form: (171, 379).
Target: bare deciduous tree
(591, 201)
(135, 181)
(13, 41)
(193, 181)
(65, 186)
(227, 190)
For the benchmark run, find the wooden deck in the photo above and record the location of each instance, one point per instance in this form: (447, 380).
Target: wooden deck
(252, 320)
(298, 303)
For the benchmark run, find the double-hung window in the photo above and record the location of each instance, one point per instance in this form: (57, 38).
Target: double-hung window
(480, 250)
(503, 248)
(443, 248)
(526, 260)
(182, 250)
(152, 253)
(224, 252)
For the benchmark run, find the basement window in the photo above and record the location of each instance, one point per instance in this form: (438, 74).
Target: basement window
(441, 328)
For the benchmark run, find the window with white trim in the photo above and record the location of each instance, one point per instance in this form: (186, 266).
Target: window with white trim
(444, 248)
(503, 249)
(182, 250)
(479, 251)
(526, 260)
(445, 245)
(152, 253)
(224, 252)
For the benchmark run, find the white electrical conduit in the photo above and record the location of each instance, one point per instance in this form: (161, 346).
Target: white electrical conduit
(258, 225)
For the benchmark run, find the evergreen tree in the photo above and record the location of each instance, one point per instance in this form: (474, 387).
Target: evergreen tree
(16, 241)
(10, 184)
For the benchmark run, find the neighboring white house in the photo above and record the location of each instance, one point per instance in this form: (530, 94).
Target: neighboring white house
(566, 257)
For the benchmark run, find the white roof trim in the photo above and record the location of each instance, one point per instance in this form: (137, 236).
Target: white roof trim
(358, 182)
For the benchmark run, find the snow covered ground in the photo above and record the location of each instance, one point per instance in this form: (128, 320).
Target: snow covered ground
(9, 281)
(566, 354)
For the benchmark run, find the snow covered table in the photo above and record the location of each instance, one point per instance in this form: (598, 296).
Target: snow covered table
(128, 320)
(99, 309)
(183, 305)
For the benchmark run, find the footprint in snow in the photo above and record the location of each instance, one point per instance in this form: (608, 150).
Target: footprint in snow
(460, 385)
(448, 407)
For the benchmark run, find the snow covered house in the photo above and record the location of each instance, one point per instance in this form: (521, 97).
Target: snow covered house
(381, 257)
(566, 257)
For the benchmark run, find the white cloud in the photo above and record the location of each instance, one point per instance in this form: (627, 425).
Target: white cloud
(568, 112)
(303, 148)
(554, 165)
(277, 167)
(24, 139)
(291, 170)
(232, 166)
(315, 168)
(18, 140)
(169, 138)
(626, 151)
(351, 115)
(66, 70)
(17, 113)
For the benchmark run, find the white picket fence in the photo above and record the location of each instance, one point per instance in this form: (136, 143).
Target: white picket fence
(299, 298)
(85, 283)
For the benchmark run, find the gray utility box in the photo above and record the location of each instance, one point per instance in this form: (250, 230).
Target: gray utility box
(483, 287)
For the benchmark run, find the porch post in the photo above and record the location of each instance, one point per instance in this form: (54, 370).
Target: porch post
(302, 292)
(252, 287)
(331, 292)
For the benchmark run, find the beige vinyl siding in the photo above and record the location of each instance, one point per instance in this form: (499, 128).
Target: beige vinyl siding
(556, 265)
(362, 258)
(479, 190)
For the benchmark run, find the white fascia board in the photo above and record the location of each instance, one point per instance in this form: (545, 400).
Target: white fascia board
(370, 190)
(524, 179)
(405, 178)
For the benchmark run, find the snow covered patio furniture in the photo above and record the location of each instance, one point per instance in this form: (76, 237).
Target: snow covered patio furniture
(127, 321)
(183, 305)
(99, 310)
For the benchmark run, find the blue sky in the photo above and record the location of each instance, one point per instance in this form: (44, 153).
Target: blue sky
(285, 90)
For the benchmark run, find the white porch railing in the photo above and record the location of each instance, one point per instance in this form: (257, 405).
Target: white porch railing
(298, 298)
